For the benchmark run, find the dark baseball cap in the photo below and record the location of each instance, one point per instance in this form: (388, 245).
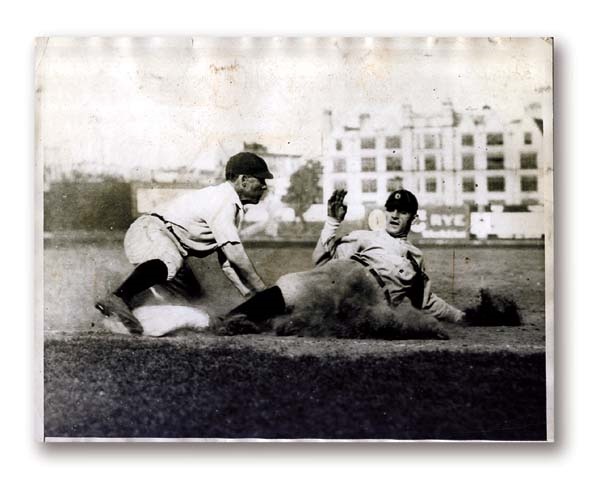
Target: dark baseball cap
(247, 163)
(403, 201)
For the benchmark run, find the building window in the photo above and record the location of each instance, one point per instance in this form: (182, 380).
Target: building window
(431, 185)
(429, 140)
(468, 185)
(528, 160)
(495, 139)
(392, 142)
(495, 184)
(495, 161)
(468, 162)
(430, 162)
(340, 185)
(367, 143)
(338, 145)
(339, 165)
(393, 164)
(529, 184)
(369, 186)
(367, 164)
(394, 184)
(527, 140)
(467, 140)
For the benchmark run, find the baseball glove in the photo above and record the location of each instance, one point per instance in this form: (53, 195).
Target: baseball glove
(493, 310)
(335, 205)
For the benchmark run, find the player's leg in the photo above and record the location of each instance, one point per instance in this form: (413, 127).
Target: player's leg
(149, 246)
(171, 305)
(310, 290)
(184, 288)
(145, 275)
(118, 302)
(253, 315)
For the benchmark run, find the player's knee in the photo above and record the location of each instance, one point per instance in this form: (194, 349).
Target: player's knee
(173, 266)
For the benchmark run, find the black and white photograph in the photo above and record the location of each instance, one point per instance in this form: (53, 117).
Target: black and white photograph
(301, 239)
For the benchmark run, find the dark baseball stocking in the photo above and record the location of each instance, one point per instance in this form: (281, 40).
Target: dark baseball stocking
(144, 276)
(262, 306)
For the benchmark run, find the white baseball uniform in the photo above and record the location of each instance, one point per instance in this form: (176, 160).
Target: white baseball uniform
(196, 223)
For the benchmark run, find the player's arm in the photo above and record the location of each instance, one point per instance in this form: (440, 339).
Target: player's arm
(328, 246)
(242, 266)
(238, 267)
(232, 275)
(442, 310)
(423, 299)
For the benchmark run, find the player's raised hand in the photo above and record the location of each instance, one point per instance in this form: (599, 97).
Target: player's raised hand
(335, 205)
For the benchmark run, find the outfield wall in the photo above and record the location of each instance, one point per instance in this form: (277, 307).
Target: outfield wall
(112, 206)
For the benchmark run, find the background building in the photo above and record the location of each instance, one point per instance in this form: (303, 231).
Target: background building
(448, 158)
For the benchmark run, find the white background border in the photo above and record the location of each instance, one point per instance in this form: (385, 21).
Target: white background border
(576, 254)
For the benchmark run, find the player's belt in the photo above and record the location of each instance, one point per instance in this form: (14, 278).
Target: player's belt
(169, 226)
(375, 275)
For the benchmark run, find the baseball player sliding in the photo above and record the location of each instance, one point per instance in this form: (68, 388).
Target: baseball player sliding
(196, 224)
(358, 264)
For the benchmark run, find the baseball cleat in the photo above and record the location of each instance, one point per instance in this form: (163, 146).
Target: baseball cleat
(114, 305)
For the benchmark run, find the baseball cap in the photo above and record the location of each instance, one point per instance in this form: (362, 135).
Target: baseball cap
(247, 163)
(402, 200)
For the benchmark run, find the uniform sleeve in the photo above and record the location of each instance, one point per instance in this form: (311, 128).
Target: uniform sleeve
(419, 290)
(329, 247)
(423, 298)
(231, 274)
(224, 225)
(442, 310)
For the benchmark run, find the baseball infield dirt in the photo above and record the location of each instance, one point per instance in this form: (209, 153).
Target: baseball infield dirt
(483, 383)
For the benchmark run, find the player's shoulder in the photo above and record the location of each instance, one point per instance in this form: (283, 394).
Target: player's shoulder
(360, 233)
(205, 191)
(413, 248)
(221, 193)
(217, 189)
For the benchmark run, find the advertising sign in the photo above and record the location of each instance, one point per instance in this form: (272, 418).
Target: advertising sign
(442, 222)
(431, 222)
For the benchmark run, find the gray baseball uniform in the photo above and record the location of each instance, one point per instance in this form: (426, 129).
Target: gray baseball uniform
(395, 263)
